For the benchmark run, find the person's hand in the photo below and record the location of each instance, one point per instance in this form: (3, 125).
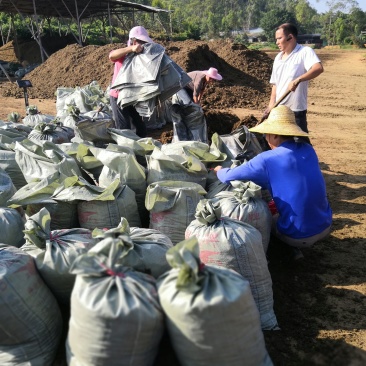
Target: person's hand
(216, 169)
(294, 84)
(137, 48)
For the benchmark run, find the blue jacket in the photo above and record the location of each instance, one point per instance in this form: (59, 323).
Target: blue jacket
(292, 175)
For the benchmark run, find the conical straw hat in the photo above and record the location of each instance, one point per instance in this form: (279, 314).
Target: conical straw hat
(281, 121)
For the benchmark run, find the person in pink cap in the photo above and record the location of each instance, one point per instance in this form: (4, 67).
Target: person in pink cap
(128, 116)
(200, 79)
(188, 118)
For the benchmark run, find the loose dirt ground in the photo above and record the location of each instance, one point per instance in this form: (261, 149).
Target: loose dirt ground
(320, 301)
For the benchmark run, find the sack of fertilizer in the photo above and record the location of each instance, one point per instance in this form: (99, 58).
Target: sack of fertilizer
(7, 188)
(87, 97)
(30, 318)
(175, 168)
(122, 164)
(50, 132)
(9, 164)
(97, 206)
(54, 251)
(12, 226)
(235, 245)
(148, 249)
(40, 159)
(172, 206)
(200, 150)
(38, 194)
(72, 116)
(101, 112)
(240, 144)
(141, 147)
(61, 96)
(34, 116)
(94, 130)
(245, 203)
(210, 312)
(116, 318)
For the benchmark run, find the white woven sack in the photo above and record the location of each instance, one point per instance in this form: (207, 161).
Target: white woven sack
(30, 319)
(33, 119)
(7, 188)
(116, 318)
(245, 203)
(61, 95)
(210, 313)
(123, 166)
(55, 251)
(40, 159)
(108, 214)
(9, 164)
(175, 168)
(148, 247)
(235, 245)
(172, 206)
(11, 227)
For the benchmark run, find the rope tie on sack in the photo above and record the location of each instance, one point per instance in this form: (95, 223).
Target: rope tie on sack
(110, 272)
(56, 239)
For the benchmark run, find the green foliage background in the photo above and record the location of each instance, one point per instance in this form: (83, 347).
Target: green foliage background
(342, 24)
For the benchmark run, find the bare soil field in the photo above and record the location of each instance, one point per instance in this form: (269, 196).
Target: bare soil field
(320, 301)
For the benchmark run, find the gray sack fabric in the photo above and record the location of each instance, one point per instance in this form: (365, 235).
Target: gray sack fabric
(172, 206)
(245, 203)
(55, 251)
(30, 319)
(235, 245)
(116, 318)
(211, 315)
(176, 168)
(148, 79)
(11, 226)
(148, 249)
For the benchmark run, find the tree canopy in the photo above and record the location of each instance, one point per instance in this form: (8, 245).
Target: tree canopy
(342, 23)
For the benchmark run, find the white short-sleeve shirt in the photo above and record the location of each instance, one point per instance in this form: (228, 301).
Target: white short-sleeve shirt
(301, 59)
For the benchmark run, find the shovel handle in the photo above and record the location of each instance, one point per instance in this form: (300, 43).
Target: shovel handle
(283, 96)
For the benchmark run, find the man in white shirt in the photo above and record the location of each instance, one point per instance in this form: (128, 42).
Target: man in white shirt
(292, 69)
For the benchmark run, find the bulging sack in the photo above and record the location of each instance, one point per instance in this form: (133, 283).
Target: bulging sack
(245, 203)
(55, 251)
(12, 226)
(238, 246)
(210, 312)
(172, 206)
(148, 249)
(30, 319)
(116, 318)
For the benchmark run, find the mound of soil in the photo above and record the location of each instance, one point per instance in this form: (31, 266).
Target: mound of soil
(28, 52)
(245, 74)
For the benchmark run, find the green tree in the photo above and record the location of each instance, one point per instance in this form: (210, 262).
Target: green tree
(272, 19)
(305, 16)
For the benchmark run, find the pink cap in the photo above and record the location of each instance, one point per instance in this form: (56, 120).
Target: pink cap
(213, 74)
(140, 33)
